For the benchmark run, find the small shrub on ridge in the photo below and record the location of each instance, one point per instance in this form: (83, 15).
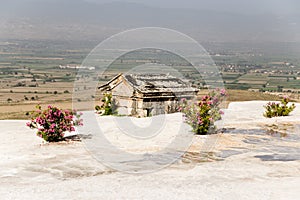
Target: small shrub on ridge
(278, 109)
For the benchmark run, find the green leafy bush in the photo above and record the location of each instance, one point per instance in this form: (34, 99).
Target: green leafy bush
(278, 109)
(202, 115)
(108, 106)
(52, 123)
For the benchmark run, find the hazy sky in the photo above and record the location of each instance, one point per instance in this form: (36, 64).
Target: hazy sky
(277, 7)
(240, 6)
(276, 20)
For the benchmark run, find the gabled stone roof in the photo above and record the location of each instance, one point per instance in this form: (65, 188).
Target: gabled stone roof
(152, 83)
(158, 83)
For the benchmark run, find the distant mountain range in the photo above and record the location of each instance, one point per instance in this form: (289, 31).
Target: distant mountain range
(79, 19)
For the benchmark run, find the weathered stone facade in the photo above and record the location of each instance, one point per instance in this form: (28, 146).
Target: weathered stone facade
(147, 95)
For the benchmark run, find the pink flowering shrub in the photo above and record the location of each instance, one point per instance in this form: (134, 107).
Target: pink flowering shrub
(278, 109)
(52, 122)
(202, 115)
